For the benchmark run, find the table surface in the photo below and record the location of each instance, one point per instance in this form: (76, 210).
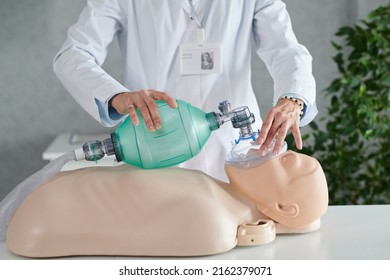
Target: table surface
(346, 233)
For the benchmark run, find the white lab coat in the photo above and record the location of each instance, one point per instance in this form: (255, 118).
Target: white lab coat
(149, 34)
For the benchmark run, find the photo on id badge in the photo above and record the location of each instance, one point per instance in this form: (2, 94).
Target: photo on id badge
(207, 60)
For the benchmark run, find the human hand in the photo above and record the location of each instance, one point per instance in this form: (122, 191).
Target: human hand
(281, 118)
(145, 101)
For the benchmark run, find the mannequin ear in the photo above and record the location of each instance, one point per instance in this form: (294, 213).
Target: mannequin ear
(285, 211)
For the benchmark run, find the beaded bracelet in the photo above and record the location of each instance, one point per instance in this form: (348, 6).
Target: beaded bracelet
(300, 103)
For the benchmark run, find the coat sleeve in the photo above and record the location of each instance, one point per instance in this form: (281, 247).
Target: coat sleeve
(78, 63)
(289, 63)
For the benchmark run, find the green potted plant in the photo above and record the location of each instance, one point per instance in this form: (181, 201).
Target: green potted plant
(353, 146)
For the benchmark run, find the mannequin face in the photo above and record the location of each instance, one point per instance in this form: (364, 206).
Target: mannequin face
(291, 188)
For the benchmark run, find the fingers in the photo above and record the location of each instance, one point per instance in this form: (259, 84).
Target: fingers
(158, 95)
(145, 101)
(150, 113)
(296, 132)
(271, 132)
(265, 128)
(133, 114)
(282, 133)
(283, 117)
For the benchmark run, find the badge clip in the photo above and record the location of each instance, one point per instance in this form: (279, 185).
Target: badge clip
(200, 36)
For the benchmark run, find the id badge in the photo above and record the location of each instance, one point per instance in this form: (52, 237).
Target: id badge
(200, 59)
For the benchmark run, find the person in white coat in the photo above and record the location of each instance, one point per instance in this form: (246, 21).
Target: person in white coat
(160, 42)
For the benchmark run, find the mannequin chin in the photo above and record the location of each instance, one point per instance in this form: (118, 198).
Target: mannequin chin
(124, 210)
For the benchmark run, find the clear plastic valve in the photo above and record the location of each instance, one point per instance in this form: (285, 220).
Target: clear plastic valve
(93, 150)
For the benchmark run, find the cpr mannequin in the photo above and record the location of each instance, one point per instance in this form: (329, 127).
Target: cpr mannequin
(124, 210)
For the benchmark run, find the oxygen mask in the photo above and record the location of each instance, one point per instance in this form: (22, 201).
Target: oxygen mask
(245, 152)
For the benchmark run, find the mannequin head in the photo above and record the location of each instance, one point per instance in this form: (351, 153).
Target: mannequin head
(290, 188)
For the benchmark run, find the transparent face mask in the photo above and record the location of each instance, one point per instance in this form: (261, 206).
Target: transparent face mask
(246, 154)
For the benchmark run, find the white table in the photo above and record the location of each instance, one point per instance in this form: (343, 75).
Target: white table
(346, 233)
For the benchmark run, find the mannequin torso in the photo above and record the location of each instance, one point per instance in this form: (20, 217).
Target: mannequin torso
(124, 210)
